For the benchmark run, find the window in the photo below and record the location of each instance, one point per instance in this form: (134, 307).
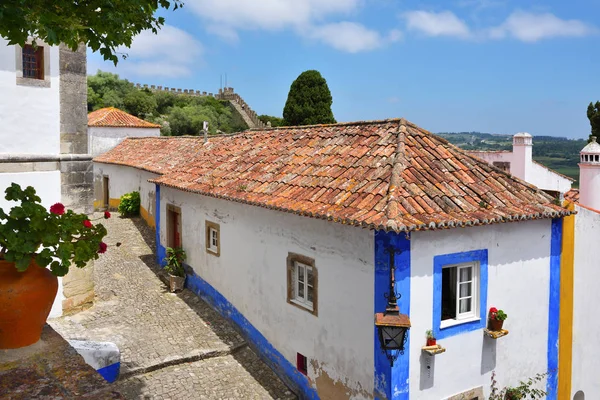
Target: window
(302, 282)
(213, 238)
(33, 62)
(301, 363)
(503, 165)
(459, 292)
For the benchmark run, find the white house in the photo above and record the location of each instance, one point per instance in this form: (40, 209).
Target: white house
(291, 234)
(43, 109)
(519, 162)
(108, 127)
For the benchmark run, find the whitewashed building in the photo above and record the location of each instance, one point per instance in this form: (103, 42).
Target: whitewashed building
(43, 110)
(289, 233)
(519, 162)
(108, 127)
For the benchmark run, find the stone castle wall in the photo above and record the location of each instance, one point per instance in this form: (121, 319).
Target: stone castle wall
(227, 93)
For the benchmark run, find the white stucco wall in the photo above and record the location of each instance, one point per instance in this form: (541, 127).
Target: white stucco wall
(47, 186)
(102, 139)
(586, 357)
(124, 180)
(251, 274)
(30, 116)
(589, 185)
(491, 156)
(518, 283)
(546, 179)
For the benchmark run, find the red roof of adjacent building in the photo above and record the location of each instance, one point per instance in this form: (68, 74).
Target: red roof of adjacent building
(113, 117)
(387, 174)
(572, 195)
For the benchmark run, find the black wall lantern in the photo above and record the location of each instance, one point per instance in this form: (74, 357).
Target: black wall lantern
(392, 327)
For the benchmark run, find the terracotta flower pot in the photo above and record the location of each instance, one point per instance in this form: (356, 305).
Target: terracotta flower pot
(176, 282)
(495, 325)
(431, 342)
(25, 302)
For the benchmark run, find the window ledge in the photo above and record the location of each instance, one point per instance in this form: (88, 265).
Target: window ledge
(300, 304)
(42, 83)
(433, 350)
(453, 322)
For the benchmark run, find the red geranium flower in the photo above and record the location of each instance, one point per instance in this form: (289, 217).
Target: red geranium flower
(87, 223)
(493, 310)
(106, 215)
(57, 209)
(102, 248)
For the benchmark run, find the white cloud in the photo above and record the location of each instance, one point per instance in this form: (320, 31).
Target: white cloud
(530, 27)
(170, 53)
(307, 18)
(352, 37)
(444, 23)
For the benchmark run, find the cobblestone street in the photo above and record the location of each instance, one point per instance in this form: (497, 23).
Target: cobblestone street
(173, 346)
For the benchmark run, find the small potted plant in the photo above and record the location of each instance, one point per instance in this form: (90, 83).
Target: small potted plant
(431, 341)
(496, 319)
(36, 246)
(174, 267)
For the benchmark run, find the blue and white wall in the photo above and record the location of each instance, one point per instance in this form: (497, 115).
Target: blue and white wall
(517, 280)
(248, 283)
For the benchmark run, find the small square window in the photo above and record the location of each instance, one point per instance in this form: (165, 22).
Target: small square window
(213, 238)
(459, 293)
(33, 62)
(302, 282)
(301, 363)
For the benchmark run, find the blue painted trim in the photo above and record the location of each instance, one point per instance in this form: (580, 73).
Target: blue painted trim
(161, 251)
(459, 258)
(554, 309)
(294, 379)
(391, 382)
(110, 373)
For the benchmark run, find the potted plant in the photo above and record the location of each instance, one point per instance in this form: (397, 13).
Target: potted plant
(174, 267)
(496, 319)
(431, 341)
(36, 246)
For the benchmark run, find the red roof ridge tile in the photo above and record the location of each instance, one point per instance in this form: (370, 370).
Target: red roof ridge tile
(114, 117)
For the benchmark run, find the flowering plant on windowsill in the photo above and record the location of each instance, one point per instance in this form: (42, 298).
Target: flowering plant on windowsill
(55, 238)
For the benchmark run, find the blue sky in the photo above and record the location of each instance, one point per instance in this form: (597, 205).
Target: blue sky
(458, 65)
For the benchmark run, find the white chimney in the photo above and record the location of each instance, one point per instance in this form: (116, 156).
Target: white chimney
(522, 162)
(589, 175)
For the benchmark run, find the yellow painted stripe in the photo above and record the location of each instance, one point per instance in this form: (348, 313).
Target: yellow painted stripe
(113, 204)
(565, 341)
(147, 217)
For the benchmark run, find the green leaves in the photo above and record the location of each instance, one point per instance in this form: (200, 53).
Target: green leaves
(29, 231)
(102, 25)
(130, 204)
(309, 101)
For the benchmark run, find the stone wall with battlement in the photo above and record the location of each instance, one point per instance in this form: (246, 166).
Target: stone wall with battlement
(227, 93)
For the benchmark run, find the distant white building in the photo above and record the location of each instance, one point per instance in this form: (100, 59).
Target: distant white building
(291, 233)
(43, 109)
(519, 162)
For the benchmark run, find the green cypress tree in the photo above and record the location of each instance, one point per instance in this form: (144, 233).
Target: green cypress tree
(593, 114)
(309, 101)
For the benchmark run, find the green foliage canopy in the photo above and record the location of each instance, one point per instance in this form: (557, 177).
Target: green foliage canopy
(102, 25)
(129, 205)
(309, 101)
(275, 121)
(140, 103)
(593, 114)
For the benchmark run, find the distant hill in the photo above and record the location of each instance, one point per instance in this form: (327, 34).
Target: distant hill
(559, 153)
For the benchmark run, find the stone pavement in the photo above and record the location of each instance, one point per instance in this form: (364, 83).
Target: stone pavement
(173, 346)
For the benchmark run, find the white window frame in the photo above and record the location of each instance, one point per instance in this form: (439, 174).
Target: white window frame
(473, 314)
(296, 298)
(213, 236)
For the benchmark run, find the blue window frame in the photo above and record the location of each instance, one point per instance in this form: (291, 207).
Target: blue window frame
(478, 258)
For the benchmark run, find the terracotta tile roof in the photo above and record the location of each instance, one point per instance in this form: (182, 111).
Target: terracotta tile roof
(113, 117)
(388, 175)
(154, 154)
(572, 195)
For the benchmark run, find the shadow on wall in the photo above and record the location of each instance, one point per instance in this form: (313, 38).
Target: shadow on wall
(427, 371)
(488, 355)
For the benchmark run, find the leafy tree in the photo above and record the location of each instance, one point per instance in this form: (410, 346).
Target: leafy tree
(593, 114)
(309, 101)
(107, 90)
(275, 121)
(102, 25)
(164, 101)
(140, 103)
